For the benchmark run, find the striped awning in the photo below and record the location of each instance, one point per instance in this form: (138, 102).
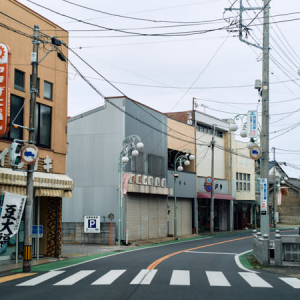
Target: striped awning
(45, 184)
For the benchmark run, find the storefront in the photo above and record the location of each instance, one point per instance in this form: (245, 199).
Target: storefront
(47, 211)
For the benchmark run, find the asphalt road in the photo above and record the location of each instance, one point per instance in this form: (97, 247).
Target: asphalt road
(200, 269)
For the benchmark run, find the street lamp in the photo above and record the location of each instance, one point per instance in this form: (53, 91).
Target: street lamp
(130, 147)
(179, 160)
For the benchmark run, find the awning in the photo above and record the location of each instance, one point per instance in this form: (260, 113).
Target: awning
(216, 196)
(45, 184)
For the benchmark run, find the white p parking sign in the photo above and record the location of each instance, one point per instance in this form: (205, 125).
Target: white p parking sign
(91, 224)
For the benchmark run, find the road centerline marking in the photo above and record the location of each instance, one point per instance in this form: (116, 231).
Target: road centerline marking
(218, 253)
(158, 261)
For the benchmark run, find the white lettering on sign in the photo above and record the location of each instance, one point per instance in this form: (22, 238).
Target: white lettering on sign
(48, 166)
(11, 215)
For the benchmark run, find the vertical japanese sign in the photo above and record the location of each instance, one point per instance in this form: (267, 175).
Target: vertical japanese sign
(263, 196)
(4, 86)
(11, 215)
(125, 183)
(252, 117)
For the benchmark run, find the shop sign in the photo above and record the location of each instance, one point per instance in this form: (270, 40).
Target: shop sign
(4, 86)
(11, 215)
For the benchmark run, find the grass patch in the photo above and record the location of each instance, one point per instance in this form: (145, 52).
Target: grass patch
(249, 261)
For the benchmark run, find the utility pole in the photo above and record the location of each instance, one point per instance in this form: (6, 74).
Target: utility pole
(27, 254)
(264, 218)
(212, 200)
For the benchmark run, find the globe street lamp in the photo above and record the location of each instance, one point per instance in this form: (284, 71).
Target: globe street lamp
(130, 147)
(179, 160)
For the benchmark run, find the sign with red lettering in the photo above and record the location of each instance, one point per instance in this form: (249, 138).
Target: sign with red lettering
(4, 86)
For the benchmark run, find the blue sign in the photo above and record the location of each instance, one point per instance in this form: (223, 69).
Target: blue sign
(35, 231)
(92, 223)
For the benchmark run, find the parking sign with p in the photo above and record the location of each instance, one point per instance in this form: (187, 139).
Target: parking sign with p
(91, 224)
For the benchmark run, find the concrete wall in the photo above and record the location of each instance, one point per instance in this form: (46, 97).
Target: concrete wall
(74, 233)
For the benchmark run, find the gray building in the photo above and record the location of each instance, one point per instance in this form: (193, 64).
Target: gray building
(94, 145)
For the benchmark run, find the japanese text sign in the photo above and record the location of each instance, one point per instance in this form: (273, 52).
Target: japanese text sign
(11, 215)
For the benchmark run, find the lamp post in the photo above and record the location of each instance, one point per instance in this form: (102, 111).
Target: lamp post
(179, 160)
(129, 148)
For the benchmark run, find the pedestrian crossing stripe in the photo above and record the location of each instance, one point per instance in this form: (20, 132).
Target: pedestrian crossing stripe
(146, 276)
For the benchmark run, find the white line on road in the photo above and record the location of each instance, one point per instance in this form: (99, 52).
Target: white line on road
(41, 278)
(109, 277)
(144, 277)
(198, 252)
(237, 261)
(294, 282)
(254, 280)
(180, 278)
(75, 277)
(217, 279)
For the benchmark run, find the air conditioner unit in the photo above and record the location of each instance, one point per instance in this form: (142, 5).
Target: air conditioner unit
(144, 179)
(132, 178)
(138, 178)
(157, 181)
(164, 182)
(150, 180)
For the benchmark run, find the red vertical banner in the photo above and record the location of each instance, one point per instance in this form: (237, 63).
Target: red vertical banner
(4, 87)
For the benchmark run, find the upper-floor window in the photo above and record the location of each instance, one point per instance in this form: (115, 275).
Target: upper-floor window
(156, 165)
(43, 116)
(16, 115)
(38, 85)
(48, 90)
(243, 182)
(137, 163)
(19, 80)
(209, 130)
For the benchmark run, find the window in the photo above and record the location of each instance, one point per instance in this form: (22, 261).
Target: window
(137, 163)
(48, 90)
(38, 85)
(43, 125)
(209, 130)
(243, 182)
(16, 108)
(19, 80)
(156, 165)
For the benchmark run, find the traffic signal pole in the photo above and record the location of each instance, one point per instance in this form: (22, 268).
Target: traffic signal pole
(27, 254)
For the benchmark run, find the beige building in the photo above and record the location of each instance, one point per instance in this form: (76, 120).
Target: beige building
(50, 181)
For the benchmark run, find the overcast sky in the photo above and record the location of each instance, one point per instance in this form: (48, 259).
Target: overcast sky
(166, 72)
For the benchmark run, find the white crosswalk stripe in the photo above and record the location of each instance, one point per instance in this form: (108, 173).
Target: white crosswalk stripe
(109, 277)
(145, 277)
(75, 277)
(294, 282)
(254, 280)
(41, 278)
(217, 279)
(180, 278)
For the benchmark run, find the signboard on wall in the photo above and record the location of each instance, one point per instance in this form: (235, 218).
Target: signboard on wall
(91, 224)
(4, 86)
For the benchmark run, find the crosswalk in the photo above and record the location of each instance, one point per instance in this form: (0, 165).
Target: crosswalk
(146, 277)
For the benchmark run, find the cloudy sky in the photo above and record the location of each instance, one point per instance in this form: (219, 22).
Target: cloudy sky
(165, 53)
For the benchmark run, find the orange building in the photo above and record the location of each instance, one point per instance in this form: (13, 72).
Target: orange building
(50, 182)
